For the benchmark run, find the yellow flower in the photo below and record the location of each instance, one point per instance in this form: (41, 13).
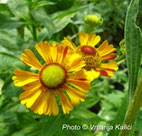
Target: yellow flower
(95, 58)
(61, 75)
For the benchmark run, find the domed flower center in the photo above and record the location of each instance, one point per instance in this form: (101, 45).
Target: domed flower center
(88, 50)
(53, 76)
(91, 57)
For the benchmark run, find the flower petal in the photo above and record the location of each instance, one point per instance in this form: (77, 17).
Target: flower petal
(92, 74)
(53, 51)
(105, 73)
(43, 49)
(93, 39)
(32, 85)
(66, 104)
(82, 85)
(52, 105)
(29, 97)
(109, 57)
(23, 77)
(30, 59)
(75, 95)
(105, 49)
(62, 53)
(40, 104)
(74, 63)
(111, 66)
(68, 42)
(83, 38)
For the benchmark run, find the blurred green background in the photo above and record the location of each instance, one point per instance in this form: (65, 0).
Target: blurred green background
(23, 23)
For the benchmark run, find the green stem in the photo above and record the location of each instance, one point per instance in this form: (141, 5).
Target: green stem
(133, 109)
(34, 32)
(122, 57)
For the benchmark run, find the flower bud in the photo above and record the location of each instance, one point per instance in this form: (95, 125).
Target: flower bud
(122, 47)
(93, 20)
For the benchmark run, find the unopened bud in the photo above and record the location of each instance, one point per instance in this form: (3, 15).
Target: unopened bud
(122, 47)
(93, 20)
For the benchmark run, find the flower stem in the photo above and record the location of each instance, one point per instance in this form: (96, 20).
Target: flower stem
(122, 57)
(133, 109)
(34, 32)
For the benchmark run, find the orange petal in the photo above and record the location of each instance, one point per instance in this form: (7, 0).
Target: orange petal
(75, 95)
(111, 66)
(68, 42)
(52, 107)
(29, 97)
(30, 59)
(82, 85)
(23, 77)
(105, 73)
(43, 49)
(66, 104)
(61, 53)
(109, 57)
(105, 49)
(32, 85)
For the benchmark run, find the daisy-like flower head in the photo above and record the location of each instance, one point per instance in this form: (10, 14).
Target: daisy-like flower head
(96, 59)
(61, 76)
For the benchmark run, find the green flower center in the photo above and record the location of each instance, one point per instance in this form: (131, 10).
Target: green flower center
(53, 76)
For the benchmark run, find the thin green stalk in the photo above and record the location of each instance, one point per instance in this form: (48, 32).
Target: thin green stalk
(34, 33)
(122, 57)
(133, 109)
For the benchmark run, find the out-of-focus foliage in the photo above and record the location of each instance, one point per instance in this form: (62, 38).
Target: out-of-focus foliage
(26, 22)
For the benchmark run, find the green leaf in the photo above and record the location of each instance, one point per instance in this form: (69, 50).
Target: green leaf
(41, 16)
(51, 126)
(9, 23)
(133, 39)
(85, 115)
(19, 8)
(119, 117)
(89, 102)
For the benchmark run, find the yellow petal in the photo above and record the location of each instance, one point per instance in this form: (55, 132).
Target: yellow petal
(77, 75)
(92, 74)
(82, 85)
(52, 105)
(62, 53)
(105, 73)
(111, 66)
(32, 85)
(43, 49)
(69, 43)
(75, 63)
(75, 95)
(66, 104)
(93, 39)
(53, 51)
(40, 104)
(83, 38)
(23, 77)
(106, 49)
(29, 97)
(30, 59)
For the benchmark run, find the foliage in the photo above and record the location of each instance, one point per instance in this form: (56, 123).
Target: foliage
(24, 23)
